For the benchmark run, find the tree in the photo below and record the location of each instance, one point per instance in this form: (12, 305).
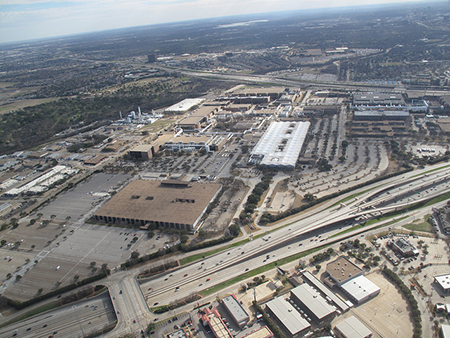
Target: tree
(92, 264)
(33, 246)
(18, 277)
(32, 221)
(318, 266)
(253, 199)
(52, 216)
(14, 222)
(234, 230)
(309, 197)
(184, 238)
(202, 233)
(39, 215)
(134, 255)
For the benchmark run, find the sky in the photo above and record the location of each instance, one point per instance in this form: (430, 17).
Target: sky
(35, 19)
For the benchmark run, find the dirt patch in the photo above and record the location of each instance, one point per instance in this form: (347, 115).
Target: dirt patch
(219, 218)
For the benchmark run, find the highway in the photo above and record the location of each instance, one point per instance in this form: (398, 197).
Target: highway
(295, 234)
(180, 283)
(73, 320)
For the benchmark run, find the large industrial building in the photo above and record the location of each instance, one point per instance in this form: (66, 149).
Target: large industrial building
(169, 204)
(143, 152)
(281, 144)
(340, 271)
(198, 118)
(309, 278)
(350, 279)
(352, 328)
(377, 100)
(184, 106)
(313, 304)
(360, 289)
(197, 142)
(287, 317)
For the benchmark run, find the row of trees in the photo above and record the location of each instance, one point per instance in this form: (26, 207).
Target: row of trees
(20, 305)
(254, 198)
(415, 312)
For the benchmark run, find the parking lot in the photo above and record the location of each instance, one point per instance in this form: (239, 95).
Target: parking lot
(77, 201)
(73, 252)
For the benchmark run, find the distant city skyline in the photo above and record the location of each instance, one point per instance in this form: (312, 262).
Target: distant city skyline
(22, 20)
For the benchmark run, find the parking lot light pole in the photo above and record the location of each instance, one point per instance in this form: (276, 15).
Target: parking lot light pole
(74, 307)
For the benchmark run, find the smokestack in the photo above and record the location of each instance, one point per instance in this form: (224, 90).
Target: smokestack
(120, 115)
(139, 110)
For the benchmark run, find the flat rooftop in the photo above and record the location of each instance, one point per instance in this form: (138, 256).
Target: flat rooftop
(263, 332)
(142, 148)
(360, 288)
(156, 201)
(353, 328)
(341, 269)
(313, 301)
(281, 143)
(184, 105)
(327, 292)
(444, 281)
(220, 330)
(233, 306)
(289, 316)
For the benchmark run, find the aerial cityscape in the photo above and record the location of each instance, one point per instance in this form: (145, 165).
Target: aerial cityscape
(261, 175)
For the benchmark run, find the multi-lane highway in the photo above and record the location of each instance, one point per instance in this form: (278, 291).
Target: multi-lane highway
(73, 320)
(384, 196)
(130, 302)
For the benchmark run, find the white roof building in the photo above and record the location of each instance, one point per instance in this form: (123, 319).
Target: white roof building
(236, 310)
(352, 328)
(360, 289)
(184, 106)
(290, 318)
(445, 331)
(281, 144)
(312, 303)
(444, 282)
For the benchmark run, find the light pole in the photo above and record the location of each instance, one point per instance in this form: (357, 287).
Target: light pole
(74, 307)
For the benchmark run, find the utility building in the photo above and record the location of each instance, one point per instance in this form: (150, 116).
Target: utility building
(236, 310)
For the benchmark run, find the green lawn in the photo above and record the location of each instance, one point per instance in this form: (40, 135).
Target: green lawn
(420, 225)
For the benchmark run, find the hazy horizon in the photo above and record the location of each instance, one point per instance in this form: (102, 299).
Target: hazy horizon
(25, 20)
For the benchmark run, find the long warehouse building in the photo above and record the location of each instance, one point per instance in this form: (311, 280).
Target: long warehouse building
(281, 144)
